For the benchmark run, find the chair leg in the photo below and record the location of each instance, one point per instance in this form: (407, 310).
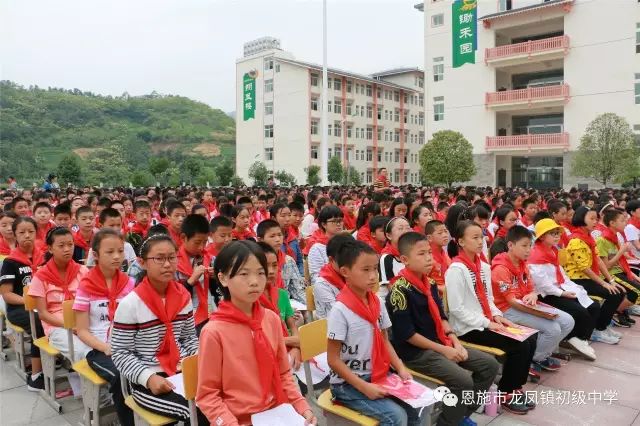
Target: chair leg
(193, 413)
(3, 354)
(91, 401)
(49, 372)
(18, 348)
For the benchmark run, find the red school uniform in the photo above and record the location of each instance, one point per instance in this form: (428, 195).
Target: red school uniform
(508, 281)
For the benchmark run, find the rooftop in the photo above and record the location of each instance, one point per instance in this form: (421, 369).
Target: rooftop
(516, 11)
(396, 71)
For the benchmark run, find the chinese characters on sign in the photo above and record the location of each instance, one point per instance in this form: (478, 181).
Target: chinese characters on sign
(464, 32)
(249, 96)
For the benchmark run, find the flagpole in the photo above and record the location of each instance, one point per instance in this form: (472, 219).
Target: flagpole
(324, 140)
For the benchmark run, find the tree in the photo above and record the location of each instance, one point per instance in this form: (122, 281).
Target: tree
(142, 178)
(158, 165)
(607, 150)
(259, 173)
(285, 178)
(225, 172)
(70, 169)
(447, 158)
(236, 181)
(313, 175)
(189, 169)
(350, 176)
(334, 169)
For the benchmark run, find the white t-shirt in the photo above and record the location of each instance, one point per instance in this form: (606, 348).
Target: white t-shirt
(356, 335)
(633, 234)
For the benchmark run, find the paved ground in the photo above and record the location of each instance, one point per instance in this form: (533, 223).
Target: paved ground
(617, 369)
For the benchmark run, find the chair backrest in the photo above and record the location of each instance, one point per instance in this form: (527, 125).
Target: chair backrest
(311, 300)
(68, 316)
(190, 376)
(313, 339)
(29, 301)
(307, 275)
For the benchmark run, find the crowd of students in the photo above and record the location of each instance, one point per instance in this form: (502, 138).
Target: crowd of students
(403, 277)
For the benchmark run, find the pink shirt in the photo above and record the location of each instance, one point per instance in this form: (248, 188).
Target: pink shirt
(53, 295)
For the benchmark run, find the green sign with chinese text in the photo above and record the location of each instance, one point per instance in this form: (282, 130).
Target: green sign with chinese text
(249, 97)
(464, 32)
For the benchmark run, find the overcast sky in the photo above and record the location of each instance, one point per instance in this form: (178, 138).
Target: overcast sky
(189, 47)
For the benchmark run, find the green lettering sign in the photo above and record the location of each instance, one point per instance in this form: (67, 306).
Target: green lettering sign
(464, 32)
(249, 97)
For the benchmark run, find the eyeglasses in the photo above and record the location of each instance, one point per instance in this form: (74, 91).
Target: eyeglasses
(161, 260)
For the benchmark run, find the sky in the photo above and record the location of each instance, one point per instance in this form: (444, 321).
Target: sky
(189, 47)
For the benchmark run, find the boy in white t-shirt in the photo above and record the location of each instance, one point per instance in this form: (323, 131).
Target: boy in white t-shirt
(632, 231)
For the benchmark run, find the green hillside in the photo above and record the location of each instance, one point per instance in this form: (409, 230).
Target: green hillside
(115, 139)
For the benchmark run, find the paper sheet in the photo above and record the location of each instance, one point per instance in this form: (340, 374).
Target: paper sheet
(297, 306)
(519, 333)
(178, 382)
(583, 297)
(282, 415)
(319, 370)
(411, 392)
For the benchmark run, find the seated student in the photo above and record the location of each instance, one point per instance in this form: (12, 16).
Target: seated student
(511, 287)
(176, 212)
(420, 216)
(613, 254)
(20, 206)
(290, 246)
(297, 214)
(330, 223)
(140, 228)
(358, 349)
(16, 272)
(110, 218)
(329, 281)
(95, 304)
(62, 215)
(276, 299)
(586, 269)
(422, 336)
(153, 329)
(56, 281)
(555, 288)
(242, 326)
(135, 270)
(473, 315)
(377, 239)
(505, 219)
(558, 211)
(398, 209)
(632, 230)
(367, 212)
(390, 263)
(349, 211)
(530, 207)
(241, 224)
(438, 237)
(7, 239)
(42, 215)
(261, 212)
(195, 267)
(220, 229)
(82, 237)
(201, 210)
(288, 277)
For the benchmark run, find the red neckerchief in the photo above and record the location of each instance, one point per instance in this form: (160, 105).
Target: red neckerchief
(176, 298)
(282, 259)
(441, 262)
(542, 255)
(185, 267)
(266, 357)
(175, 236)
(526, 221)
(271, 303)
(37, 258)
(79, 241)
(611, 236)
(293, 233)
(585, 236)
(211, 251)
(289, 237)
(138, 228)
(475, 267)
(502, 233)
(41, 234)
(635, 221)
(49, 273)
(318, 236)
(242, 235)
(392, 250)
(423, 285)
(418, 229)
(330, 275)
(95, 285)
(349, 219)
(5, 248)
(519, 271)
(210, 206)
(369, 312)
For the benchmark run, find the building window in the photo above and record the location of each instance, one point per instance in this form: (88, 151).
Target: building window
(421, 119)
(268, 64)
(268, 108)
(421, 138)
(337, 152)
(314, 80)
(277, 67)
(396, 96)
(337, 129)
(349, 86)
(369, 90)
(438, 68)
(379, 155)
(438, 108)
(369, 154)
(329, 129)
(379, 93)
(369, 176)
(379, 114)
(369, 111)
(397, 176)
(396, 136)
(268, 154)
(421, 100)
(337, 84)
(637, 88)
(357, 132)
(636, 131)
(314, 152)
(268, 86)
(349, 108)
(314, 127)
(329, 153)
(638, 37)
(437, 20)
(379, 134)
(329, 106)
(369, 133)
(396, 116)
(349, 130)
(314, 104)
(386, 114)
(386, 136)
(337, 106)
(329, 82)
(268, 131)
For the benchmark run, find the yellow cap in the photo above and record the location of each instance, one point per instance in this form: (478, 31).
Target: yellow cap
(544, 226)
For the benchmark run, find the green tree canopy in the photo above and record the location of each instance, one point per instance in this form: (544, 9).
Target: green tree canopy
(70, 169)
(313, 175)
(447, 158)
(259, 173)
(285, 178)
(351, 176)
(334, 170)
(225, 172)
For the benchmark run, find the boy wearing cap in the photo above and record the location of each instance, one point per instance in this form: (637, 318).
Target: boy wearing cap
(555, 288)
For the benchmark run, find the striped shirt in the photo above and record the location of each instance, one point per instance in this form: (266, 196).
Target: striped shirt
(137, 334)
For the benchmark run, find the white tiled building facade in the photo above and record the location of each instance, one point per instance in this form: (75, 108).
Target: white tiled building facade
(543, 70)
(373, 121)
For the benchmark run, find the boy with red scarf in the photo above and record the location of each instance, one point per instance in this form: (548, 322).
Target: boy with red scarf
(329, 281)
(513, 290)
(195, 267)
(42, 214)
(82, 237)
(359, 352)
(349, 210)
(176, 212)
(438, 237)
(423, 338)
(632, 230)
(140, 228)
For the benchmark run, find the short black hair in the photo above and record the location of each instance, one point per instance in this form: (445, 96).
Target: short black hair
(517, 233)
(349, 257)
(336, 243)
(266, 248)
(104, 202)
(62, 208)
(42, 205)
(194, 224)
(219, 222)
(106, 213)
(541, 214)
(175, 205)
(296, 207)
(632, 206)
(327, 213)
(273, 211)
(408, 241)
(527, 202)
(431, 226)
(83, 209)
(378, 222)
(265, 226)
(610, 215)
(141, 204)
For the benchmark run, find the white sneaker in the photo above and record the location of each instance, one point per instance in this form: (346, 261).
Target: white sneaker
(604, 337)
(582, 347)
(613, 333)
(634, 310)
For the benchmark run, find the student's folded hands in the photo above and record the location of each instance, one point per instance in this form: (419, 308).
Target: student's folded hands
(158, 385)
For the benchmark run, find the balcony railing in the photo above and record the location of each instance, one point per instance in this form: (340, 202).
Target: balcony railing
(528, 142)
(530, 94)
(527, 48)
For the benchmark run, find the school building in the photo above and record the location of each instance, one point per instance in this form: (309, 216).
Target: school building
(522, 79)
(373, 120)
